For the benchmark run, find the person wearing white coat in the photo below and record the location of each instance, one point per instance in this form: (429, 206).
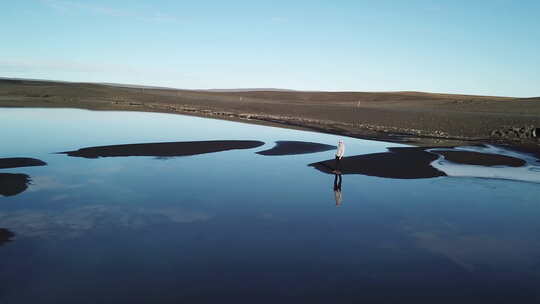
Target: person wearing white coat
(339, 154)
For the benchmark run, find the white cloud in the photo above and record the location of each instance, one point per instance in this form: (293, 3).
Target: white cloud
(56, 65)
(17, 64)
(59, 69)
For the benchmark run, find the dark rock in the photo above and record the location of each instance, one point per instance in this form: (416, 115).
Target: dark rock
(523, 132)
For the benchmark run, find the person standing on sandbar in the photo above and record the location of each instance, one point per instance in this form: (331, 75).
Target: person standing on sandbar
(339, 155)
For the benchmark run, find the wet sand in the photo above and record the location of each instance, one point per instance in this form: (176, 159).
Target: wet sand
(481, 159)
(284, 147)
(168, 149)
(411, 163)
(410, 117)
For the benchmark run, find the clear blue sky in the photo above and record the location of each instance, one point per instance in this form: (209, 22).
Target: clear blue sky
(474, 47)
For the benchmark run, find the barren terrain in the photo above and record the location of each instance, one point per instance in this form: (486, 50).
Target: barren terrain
(413, 117)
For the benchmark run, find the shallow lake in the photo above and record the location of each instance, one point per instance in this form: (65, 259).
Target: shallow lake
(153, 223)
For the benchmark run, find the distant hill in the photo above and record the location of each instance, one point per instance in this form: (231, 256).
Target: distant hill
(135, 86)
(249, 90)
(291, 94)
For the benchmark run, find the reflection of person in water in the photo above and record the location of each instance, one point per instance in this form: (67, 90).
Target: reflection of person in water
(339, 155)
(337, 189)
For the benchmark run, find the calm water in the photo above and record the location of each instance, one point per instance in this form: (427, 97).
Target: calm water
(236, 226)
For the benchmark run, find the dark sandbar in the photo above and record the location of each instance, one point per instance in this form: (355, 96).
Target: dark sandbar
(296, 147)
(168, 149)
(13, 184)
(404, 163)
(17, 162)
(413, 162)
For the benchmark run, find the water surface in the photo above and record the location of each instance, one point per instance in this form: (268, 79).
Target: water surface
(237, 226)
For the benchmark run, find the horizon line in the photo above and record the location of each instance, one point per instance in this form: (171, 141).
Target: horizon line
(239, 90)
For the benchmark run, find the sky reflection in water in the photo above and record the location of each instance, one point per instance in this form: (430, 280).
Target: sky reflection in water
(240, 226)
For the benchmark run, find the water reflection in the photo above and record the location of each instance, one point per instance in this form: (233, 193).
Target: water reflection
(284, 147)
(483, 161)
(167, 149)
(5, 236)
(474, 250)
(76, 222)
(189, 231)
(337, 189)
(14, 183)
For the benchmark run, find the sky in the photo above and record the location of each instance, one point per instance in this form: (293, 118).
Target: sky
(469, 47)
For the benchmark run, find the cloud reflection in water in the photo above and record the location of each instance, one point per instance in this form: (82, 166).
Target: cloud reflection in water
(75, 222)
